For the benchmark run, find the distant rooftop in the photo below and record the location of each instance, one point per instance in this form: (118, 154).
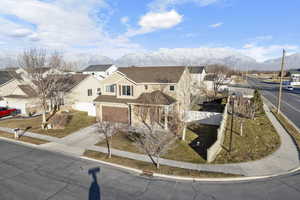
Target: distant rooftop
(97, 68)
(196, 69)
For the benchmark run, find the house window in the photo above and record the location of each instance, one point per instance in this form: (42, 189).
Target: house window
(146, 87)
(127, 90)
(98, 91)
(172, 88)
(90, 92)
(110, 88)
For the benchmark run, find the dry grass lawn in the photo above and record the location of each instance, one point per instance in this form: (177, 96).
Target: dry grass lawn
(79, 120)
(259, 140)
(23, 138)
(150, 167)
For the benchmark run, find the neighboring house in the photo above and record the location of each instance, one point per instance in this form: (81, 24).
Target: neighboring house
(24, 98)
(9, 81)
(198, 73)
(100, 71)
(166, 87)
(80, 91)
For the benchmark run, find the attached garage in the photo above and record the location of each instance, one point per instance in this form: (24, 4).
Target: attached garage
(115, 114)
(86, 107)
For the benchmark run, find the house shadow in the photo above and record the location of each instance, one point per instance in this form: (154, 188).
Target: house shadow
(94, 190)
(207, 136)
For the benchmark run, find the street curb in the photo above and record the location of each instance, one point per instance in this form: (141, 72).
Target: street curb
(20, 142)
(182, 178)
(292, 123)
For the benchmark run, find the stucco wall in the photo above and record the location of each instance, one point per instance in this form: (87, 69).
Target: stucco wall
(79, 93)
(9, 88)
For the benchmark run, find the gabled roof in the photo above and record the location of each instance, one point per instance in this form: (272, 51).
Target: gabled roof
(73, 80)
(28, 90)
(97, 68)
(5, 77)
(153, 74)
(196, 69)
(153, 98)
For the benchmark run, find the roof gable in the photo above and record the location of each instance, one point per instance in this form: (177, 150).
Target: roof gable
(5, 77)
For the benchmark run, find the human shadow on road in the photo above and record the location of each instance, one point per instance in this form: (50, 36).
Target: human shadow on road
(94, 191)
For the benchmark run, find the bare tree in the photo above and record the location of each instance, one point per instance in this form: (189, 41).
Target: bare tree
(219, 74)
(109, 129)
(153, 143)
(42, 69)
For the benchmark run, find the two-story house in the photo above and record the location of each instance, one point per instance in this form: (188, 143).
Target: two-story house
(198, 73)
(100, 71)
(167, 87)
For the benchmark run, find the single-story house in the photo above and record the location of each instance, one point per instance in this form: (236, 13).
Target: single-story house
(100, 71)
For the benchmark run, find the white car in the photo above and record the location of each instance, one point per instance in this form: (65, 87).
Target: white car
(290, 88)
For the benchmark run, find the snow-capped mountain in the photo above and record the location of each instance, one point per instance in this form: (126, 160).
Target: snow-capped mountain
(200, 56)
(291, 62)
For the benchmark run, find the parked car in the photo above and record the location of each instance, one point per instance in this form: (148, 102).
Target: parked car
(290, 88)
(7, 112)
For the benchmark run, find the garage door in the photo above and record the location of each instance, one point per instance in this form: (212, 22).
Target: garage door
(115, 114)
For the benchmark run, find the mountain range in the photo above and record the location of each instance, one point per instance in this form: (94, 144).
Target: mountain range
(175, 57)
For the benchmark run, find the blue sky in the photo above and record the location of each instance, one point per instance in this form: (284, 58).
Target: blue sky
(257, 28)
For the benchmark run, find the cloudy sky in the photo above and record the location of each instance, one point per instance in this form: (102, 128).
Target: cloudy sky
(257, 28)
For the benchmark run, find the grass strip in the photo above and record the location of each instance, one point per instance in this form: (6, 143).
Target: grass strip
(141, 165)
(23, 138)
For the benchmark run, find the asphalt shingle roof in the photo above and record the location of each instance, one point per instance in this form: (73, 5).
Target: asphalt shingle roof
(153, 74)
(196, 69)
(97, 68)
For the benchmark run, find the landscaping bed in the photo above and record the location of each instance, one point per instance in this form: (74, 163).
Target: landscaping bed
(23, 138)
(150, 167)
(78, 121)
(259, 140)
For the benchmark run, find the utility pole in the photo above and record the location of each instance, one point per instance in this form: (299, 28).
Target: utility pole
(280, 87)
(231, 129)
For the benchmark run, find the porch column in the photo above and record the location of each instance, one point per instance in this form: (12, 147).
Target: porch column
(166, 117)
(184, 132)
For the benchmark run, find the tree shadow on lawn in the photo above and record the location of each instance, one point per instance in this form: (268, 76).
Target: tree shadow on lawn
(207, 137)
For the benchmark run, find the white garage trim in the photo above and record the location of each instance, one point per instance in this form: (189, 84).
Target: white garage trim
(85, 107)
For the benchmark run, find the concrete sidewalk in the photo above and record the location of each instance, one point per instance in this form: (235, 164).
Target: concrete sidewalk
(284, 159)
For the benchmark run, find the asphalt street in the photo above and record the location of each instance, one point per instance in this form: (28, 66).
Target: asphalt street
(32, 174)
(290, 99)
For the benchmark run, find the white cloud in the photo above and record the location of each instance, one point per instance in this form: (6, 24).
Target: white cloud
(165, 4)
(64, 25)
(22, 32)
(124, 20)
(216, 25)
(262, 53)
(153, 21)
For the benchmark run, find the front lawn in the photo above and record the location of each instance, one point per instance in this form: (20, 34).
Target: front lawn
(141, 165)
(180, 150)
(79, 120)
(23, 138)
(259, 139)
